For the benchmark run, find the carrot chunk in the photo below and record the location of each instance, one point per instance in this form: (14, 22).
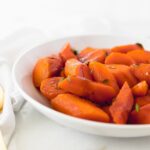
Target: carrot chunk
(142, 72)
(73, 67)
(140, 89)
(49, 87)
(141, 101)
(119, 58)
(122, 105)
(67, 53)
(140, 56)
(122, 73)
(78, 107)
(45, 68)
(127, 48)
(97, 92)
(141, 115)
(102, 74)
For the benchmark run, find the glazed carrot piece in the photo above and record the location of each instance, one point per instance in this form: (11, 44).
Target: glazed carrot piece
(73, 67)
(127, 48)
(90, 55)
(140, 115)
(140, 89)
(106, 109)
(122, 106)
(78, 107)
(119, 58)
(102, 74)
(142, 72)
(122, 73)
(67, 53)
(97, 92)
(141, 101)
(49, 87)
(45, 68)
(140, 56)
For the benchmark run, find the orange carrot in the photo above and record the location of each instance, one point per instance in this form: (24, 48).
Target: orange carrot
(45, 68)
(49, 87)
(102, 74)
(76, 68)
(139, 56)
(142, 72)
(122, 73)
(90, 55)
(141, 101)
(67, 53)
(122, 106)
(119, 58)
(78, 107)
(127, 48)
(97, 92)
(140, 89)
(140, 115)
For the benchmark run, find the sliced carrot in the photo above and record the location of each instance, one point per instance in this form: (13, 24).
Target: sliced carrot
(45, 68)
(90, 55)
(141, 115)
(73, 67)
(78, 107)
(119, 58)
(122, 106)
(140, 56)
(127, 48)
(49, 87)
(122, 73)
(67, 53)
(102, 74)
(97, 92)
(141, 101)
(140, 89)
(142, 72)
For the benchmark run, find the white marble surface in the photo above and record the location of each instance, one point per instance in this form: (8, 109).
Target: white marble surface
(36, 132)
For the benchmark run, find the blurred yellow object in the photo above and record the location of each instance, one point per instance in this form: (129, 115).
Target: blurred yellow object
(1, 98)
(2, 144)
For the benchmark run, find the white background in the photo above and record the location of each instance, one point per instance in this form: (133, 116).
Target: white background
(125, 16)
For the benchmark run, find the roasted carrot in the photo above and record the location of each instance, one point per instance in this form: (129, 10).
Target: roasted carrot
(97, 92)
(45, 68)
(122, 105)
(119, 58)
(140, 115)
(140, 56)
(78, 107)
(90, 55)
(49, 87)
(142, 72)
(102, 74)
(143, 100)
(122, 73)
(140, 89)
(73, 67)
(67, 53)
(127, 48)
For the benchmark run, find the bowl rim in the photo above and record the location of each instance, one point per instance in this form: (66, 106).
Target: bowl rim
(65, 116)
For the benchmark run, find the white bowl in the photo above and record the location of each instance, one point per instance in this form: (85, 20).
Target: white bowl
(22, 76)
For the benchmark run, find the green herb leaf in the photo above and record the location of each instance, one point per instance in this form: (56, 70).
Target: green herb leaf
(105, 81)
(140, 45)
(137, 107)
(75, 51)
